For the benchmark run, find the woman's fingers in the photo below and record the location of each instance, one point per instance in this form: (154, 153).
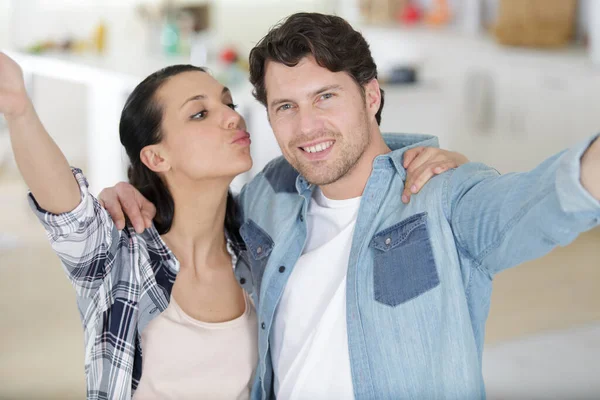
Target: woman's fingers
(109, 199)
(416, 179)
(410, 155)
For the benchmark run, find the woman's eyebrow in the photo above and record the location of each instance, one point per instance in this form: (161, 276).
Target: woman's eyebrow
(224, 92)
(193, 98)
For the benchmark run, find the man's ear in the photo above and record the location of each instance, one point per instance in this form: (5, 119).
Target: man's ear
(372, 97)
(152, 158)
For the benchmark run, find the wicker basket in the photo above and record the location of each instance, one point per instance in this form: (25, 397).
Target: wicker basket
(536, 23)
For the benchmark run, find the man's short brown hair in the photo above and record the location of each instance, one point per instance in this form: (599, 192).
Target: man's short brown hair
(331, 40)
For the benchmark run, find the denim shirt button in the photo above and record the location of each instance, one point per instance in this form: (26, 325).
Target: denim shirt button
(263, 326)
(388, 241)
(242, 281)
(282, 269)
(259, 250)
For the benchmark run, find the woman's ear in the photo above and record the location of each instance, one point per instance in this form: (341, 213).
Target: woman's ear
(372, 97)
(152, 158)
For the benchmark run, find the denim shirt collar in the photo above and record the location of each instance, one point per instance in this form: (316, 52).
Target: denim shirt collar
(397, 142)
(303, 187)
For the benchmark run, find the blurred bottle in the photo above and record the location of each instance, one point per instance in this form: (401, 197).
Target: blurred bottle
(439, 14)
(99, 37)
(170, 37)
(185, 24)
(231, 73)
(409, 13)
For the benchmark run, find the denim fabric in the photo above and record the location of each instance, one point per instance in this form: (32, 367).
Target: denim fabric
(258, 247)
(405, 267)
(419, 276)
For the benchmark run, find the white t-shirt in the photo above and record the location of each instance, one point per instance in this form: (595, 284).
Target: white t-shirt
(309, 342)
(184, 358)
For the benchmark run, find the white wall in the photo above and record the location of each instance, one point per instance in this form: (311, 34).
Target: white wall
(65, 119)
(4, 23)
(38, 20)
(244, 22)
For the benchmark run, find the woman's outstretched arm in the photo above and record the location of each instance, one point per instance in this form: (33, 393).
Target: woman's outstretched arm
(40, 161)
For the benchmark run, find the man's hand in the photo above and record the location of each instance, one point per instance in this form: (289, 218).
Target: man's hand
(422, 163)
(590, 169)
(124, 198)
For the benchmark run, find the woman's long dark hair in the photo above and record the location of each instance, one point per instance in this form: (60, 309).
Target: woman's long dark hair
(140, 126)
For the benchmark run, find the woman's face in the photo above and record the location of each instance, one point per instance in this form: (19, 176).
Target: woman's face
(203, 136)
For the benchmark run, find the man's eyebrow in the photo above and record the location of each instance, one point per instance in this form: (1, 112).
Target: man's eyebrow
(313, 94)
(325, 89)
(276, 102)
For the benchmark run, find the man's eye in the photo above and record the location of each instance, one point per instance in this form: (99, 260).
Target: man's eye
(284, 107)
(200, 115)
(327, 96)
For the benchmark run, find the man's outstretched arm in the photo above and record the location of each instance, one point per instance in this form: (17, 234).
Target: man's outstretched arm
(500, 221)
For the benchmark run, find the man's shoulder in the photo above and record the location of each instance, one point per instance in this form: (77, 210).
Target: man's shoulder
(277, 176)
(472, 171)
(270, 198)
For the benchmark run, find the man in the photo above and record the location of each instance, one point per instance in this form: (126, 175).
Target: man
(360, 295)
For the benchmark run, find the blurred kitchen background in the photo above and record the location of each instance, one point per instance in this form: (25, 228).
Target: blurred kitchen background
(506, 82)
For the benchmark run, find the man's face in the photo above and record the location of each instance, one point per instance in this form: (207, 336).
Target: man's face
(319, 118)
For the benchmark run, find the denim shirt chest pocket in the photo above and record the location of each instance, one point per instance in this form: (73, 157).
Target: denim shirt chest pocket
(404, 266)
(259, 246)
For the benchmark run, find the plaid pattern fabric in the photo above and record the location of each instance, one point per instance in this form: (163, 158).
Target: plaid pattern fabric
(123, 280)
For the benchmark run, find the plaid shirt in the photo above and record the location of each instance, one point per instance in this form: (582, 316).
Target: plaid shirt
(123, 280)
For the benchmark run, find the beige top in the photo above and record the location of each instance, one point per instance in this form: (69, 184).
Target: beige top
(184, 358)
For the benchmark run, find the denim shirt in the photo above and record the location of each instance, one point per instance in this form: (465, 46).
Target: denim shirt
(420, 275)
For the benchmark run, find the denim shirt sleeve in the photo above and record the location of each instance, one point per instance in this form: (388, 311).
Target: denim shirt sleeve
(500, 221)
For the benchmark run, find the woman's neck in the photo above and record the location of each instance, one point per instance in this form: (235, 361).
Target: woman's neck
(197, 234)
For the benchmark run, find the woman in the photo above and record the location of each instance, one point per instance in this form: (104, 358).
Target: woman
(168, 293)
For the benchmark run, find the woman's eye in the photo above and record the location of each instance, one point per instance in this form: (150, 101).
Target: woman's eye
(200, 115)
(232, 106)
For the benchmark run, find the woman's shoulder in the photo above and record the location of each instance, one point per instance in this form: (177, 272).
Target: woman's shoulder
(142, 258)
(149, 241)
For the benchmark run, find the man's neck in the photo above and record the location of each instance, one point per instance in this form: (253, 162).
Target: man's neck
(354, 182)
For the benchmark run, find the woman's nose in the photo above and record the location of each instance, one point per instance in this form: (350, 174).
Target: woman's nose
(233, 119)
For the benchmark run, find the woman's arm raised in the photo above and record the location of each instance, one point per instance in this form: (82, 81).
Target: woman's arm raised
(42, 164)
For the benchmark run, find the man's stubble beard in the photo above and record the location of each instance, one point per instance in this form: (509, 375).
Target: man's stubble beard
(326, 172)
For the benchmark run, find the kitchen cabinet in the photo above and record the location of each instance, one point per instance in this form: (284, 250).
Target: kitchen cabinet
(509, 108)
(418, 108)
(538, 109)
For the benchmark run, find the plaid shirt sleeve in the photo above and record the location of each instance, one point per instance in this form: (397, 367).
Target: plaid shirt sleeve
(85, 239)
